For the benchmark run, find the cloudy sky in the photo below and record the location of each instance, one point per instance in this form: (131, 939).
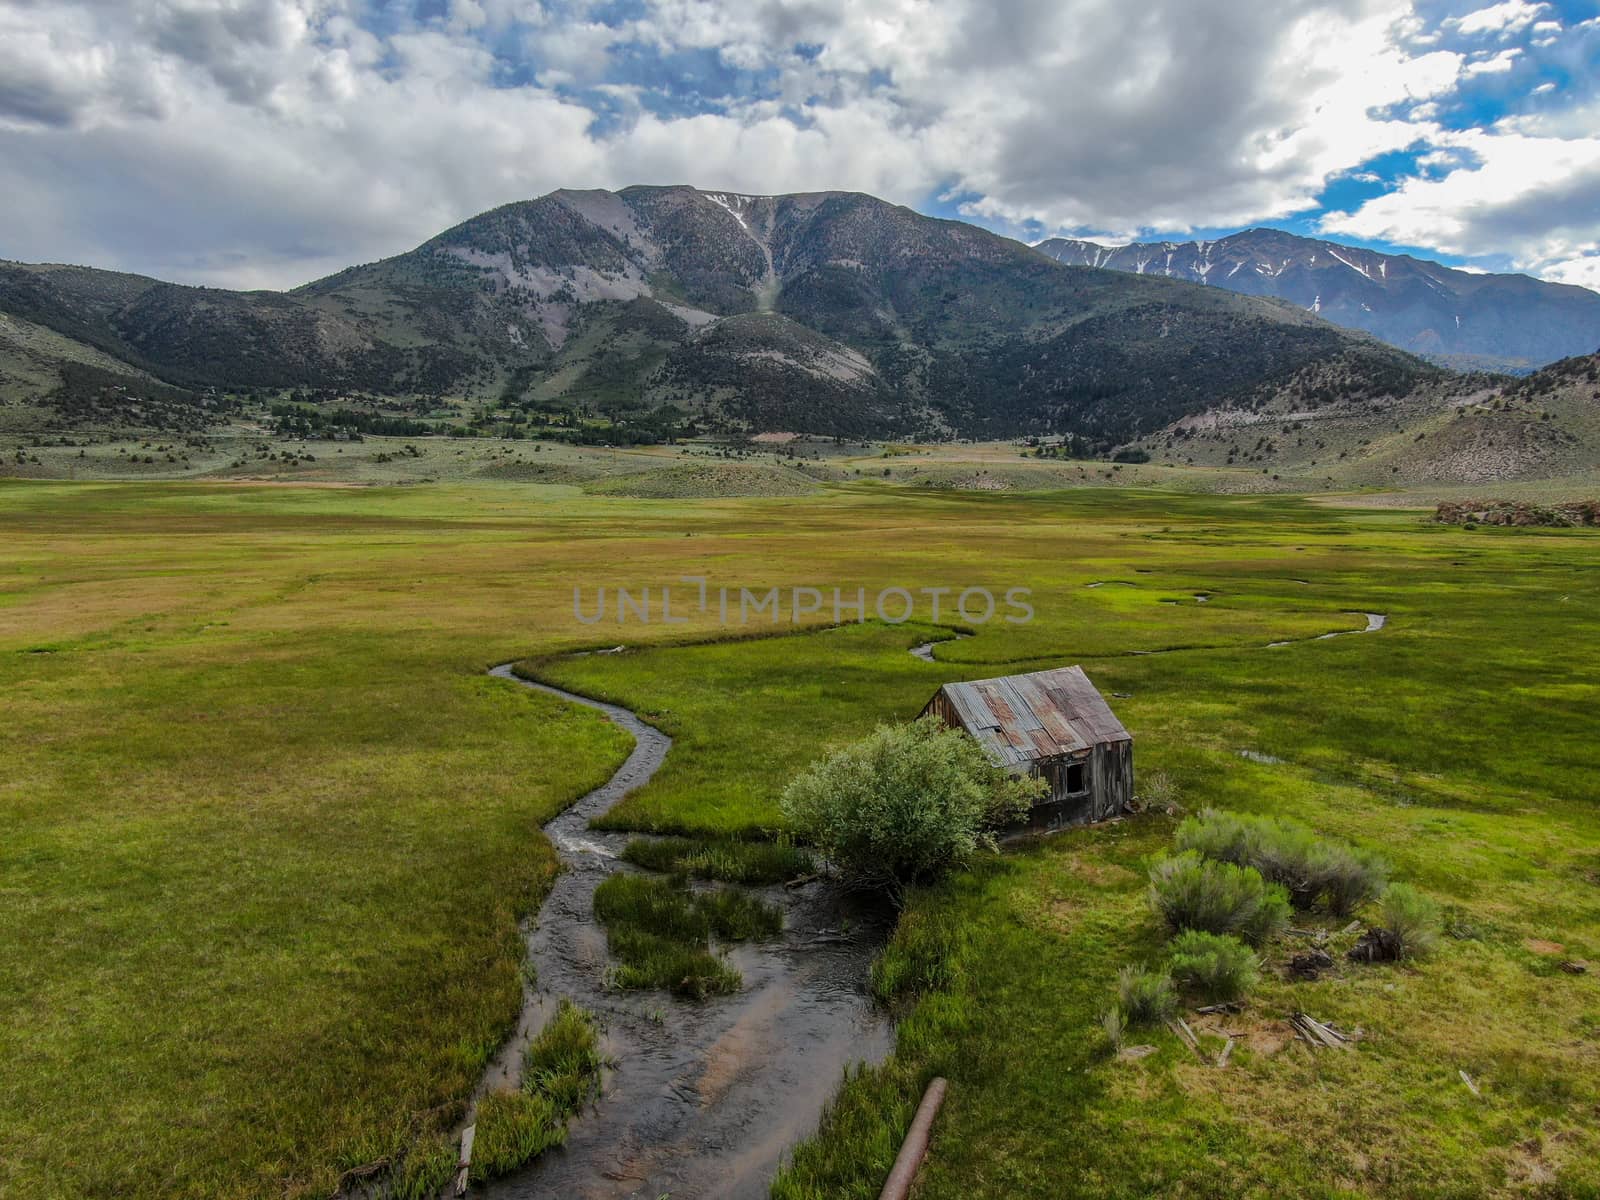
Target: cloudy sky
(267, 142)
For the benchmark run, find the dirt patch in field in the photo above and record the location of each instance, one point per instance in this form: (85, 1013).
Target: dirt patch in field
(1101, 874)
(1062, 915)
(1542, 946)
(1263, 1037)
(1538, 1160)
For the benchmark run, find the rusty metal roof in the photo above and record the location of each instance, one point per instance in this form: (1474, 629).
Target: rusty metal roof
(1021, 719)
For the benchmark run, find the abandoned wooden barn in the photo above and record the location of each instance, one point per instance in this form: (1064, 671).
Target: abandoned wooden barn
(1052, 724)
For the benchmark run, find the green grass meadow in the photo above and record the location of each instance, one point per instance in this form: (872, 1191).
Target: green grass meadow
(269, 829)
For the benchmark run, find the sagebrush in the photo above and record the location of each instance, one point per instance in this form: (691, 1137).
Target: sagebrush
(1217, 967)
(1311, 868)
(1145, 997)
(1191, 892)
(1411, 918)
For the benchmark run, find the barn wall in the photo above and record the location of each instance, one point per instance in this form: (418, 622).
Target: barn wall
(944, 710)
(1111, 779)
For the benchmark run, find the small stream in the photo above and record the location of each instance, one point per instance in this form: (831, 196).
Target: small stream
(1375, 622)
(703, 1097)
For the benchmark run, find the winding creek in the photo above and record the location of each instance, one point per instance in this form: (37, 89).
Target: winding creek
(701, 1098)
(704, 1097)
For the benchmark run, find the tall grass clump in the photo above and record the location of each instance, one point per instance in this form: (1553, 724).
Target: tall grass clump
(1114, 1024)
(1310, 868)
(737, 917)
(1157, 790)
(560, 1073)
(426, 1171)
(921, 956)
(563, 1062)
(514, 1127)
(723, 859)
(1217, 967)
(1191, 892)
(661, 932)
(657, 905)
(648, 962)
(1145, 997)
(1410, 918)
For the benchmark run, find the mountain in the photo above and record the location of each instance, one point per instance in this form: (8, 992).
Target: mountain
(827, 312)
(1480, 431)
(1460, 318)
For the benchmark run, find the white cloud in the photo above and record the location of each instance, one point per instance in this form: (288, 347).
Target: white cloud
(1583, 271)
(266, 141)
(1505, 19)
(1495, 64)
(334, 149)
(1072, 115)
(1507, 190)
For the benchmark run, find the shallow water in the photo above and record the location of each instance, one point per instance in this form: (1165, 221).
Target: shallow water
(704, 1097)
(1375, 622)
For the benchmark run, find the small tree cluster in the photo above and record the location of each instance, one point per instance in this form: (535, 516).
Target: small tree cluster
(905, 804)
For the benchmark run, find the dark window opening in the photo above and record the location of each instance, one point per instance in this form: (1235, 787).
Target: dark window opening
(1077, 777)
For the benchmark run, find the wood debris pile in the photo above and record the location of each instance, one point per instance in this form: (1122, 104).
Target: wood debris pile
(1318, 1035)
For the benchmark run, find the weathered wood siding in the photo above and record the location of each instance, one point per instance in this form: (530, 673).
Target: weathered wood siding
(1108, 777)
(1108, 786)
(941, 707)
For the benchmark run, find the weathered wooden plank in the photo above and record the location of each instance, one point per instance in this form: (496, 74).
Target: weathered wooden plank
(464, 1159)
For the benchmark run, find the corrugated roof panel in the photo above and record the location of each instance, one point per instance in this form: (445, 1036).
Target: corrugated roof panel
(1057, 718)
(1023, 718)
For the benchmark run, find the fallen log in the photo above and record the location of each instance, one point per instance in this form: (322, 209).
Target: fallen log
(1309, 964)
(1375, 945)
(912, 1151)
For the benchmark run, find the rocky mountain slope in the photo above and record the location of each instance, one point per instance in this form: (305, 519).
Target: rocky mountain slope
(823, 312)
(1481, 431)
(1490, 322)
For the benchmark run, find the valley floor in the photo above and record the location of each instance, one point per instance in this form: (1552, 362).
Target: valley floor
(270, 830)
(1411, 454)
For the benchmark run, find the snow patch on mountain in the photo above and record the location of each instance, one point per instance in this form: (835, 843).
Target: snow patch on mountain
(1362, 271)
